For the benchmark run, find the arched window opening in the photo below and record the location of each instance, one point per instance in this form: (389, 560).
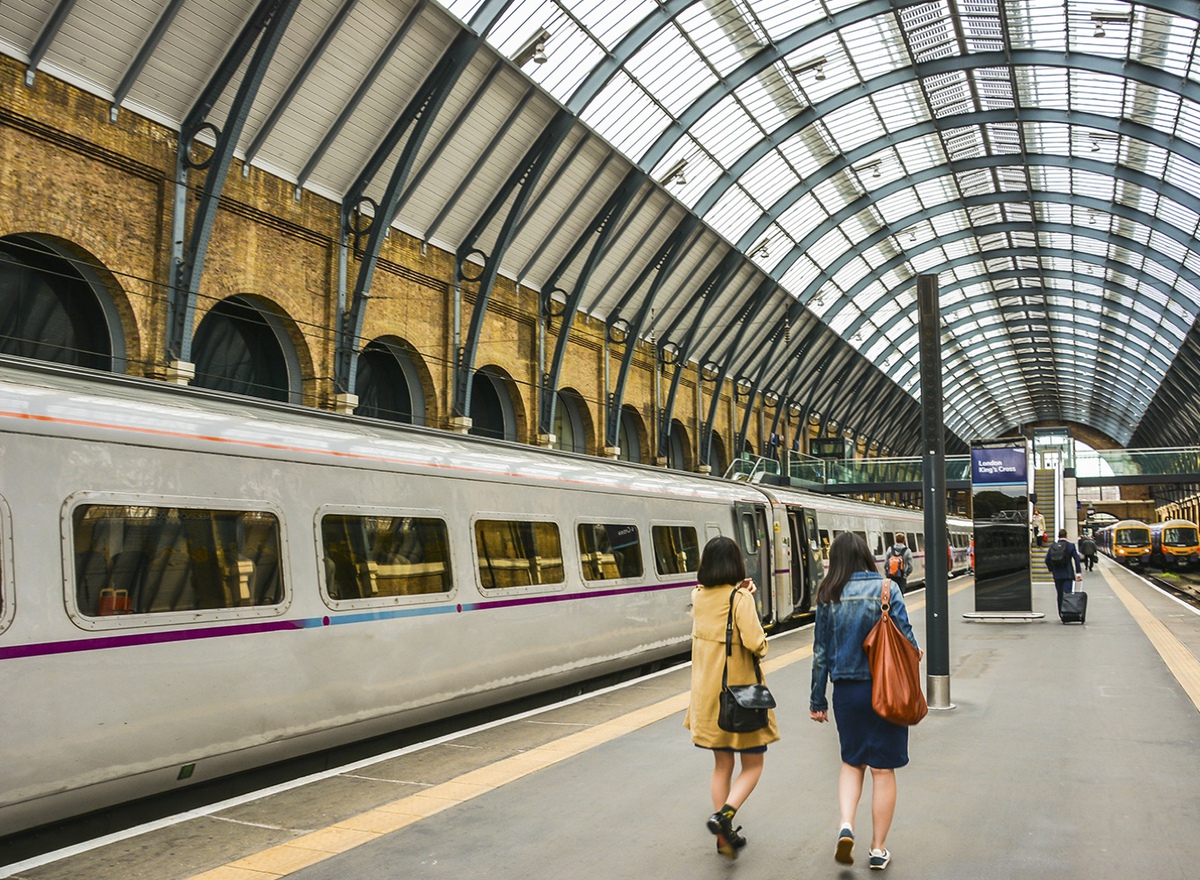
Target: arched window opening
(570, 428)
(244, 349)
(492, 411)
(388, 385)
(54, 308)
(631, 436)
(717, 460)
(677, 451)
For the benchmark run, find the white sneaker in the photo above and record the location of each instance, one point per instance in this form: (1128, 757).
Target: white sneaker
(880, 859)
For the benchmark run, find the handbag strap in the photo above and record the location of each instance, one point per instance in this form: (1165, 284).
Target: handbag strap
(885, 600)
(729, 646)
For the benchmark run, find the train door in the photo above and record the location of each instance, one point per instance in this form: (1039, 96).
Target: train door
(752, 537)
(806, 562)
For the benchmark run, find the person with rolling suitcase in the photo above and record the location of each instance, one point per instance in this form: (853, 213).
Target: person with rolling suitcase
(1062, 559)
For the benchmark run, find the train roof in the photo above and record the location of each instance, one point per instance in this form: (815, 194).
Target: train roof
(1171, 523)
(1129, 524)
(35, 396)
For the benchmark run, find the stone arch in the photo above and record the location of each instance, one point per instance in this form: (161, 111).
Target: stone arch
(393, 382)
(573, 428)
(632, 435)
(245, 344)
(58, 303)
(679, 447)
(496, 407)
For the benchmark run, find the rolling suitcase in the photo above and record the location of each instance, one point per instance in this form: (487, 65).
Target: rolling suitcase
(1074, 607)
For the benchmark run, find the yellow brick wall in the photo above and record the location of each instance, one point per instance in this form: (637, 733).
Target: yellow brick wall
(105, 190)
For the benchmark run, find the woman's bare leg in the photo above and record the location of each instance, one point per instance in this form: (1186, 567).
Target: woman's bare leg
(850, 786)
(722, 778)
(883, 805)
(752, 768)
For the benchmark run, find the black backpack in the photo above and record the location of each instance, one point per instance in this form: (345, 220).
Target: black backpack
(1057, 555)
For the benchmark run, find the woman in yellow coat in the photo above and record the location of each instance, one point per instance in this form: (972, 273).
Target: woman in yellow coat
(721, 567)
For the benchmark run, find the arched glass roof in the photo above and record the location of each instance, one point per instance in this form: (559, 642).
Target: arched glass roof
(1041, 158)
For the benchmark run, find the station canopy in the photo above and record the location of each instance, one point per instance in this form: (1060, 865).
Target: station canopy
(753, 185)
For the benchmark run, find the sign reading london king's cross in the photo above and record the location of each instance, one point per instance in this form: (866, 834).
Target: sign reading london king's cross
(1000, 497)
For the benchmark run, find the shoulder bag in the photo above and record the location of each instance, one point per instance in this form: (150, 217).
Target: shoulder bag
(896, 693)
(743, 706)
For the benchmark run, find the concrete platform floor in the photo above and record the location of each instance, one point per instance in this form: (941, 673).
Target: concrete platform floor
(1072, 752)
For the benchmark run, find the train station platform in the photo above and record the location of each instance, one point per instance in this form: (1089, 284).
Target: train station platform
(1071, 752)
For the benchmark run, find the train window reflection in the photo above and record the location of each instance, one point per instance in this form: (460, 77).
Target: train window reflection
(610, 551)
(676, 549)
(518, 554)
(147, 560)
(368, 557)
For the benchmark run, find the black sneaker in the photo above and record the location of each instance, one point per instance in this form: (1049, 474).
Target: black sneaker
(880, 859)
(845, 847)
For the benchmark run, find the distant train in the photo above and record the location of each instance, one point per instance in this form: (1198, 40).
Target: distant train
(1127, 541)
(193, 584)
(1175, 544)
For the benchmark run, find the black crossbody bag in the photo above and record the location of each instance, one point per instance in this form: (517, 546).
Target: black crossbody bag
(743, 706)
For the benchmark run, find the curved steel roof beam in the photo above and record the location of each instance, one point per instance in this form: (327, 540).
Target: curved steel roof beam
(891, 140)
(1144, 277)
(1118, 68)
(885, 232)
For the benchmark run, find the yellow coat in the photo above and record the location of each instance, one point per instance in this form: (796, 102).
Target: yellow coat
(710, 610)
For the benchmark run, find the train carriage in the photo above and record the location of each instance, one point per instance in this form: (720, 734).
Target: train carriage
(1127, 541)
(201, 584)
(1175, 544)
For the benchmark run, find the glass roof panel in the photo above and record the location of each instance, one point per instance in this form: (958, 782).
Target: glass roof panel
(923, 226)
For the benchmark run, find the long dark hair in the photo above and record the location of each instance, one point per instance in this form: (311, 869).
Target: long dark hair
(721, 563)
(848, 554)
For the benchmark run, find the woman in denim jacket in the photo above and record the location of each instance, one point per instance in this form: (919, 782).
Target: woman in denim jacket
(848, 606)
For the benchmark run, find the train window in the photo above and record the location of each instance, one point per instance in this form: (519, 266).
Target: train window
(825, 544)
(918, 542)
(148, 560)
(609, 551)
(889, 538)
(368, 557)
(676, 549)
(518, 554)
(878, 545)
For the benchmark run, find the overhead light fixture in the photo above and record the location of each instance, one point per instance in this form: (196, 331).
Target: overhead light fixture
(817, 65)
(675, 174)
(763, 249)
(534, 49)
(1109, 18)
(1102, 137)
(874, 167)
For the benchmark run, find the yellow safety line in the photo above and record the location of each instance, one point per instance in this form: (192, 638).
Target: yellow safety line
(1182, 663)
(309, 849)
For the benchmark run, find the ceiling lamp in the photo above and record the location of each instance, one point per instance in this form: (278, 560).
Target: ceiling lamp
(817, 65)
(675, 174)
(534, 49)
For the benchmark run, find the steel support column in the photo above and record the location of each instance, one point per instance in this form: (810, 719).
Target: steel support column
(523, 181)
(660, 267)
(266, 28)
(603, 226)
(415, 122)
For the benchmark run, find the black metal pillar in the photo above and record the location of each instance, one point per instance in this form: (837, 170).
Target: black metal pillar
(933, 466)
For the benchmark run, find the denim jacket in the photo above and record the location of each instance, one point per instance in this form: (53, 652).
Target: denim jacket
(841, 628)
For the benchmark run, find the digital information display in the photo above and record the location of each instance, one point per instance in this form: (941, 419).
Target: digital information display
(1000, 505)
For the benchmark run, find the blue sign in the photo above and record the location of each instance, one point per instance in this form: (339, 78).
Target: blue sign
(999, 466)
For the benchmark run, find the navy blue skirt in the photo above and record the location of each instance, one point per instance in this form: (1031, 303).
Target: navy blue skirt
(865, 737)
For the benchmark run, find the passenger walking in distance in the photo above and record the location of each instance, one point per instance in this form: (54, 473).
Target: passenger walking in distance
(898, 564)
(1062, 559)
(721, 567)
(848, 606)
(1087, 549)
(1039, 527)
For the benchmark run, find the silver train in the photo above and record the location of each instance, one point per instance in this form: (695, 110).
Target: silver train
(193, 584)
